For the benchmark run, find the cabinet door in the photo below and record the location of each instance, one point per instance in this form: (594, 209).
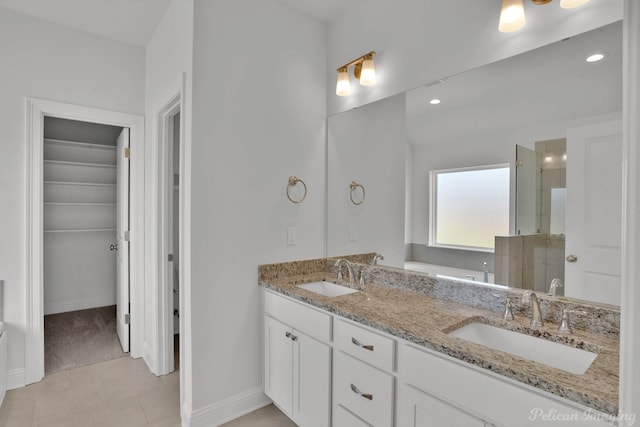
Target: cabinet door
(278, 363)
(312, 376)
(420, 409)
(344, 418)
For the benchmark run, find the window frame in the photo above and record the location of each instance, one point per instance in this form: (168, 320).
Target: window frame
(433, 207)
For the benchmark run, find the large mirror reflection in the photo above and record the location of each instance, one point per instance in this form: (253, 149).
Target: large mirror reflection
(542, 127)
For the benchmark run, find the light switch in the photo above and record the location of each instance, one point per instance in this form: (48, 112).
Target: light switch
(291, 236)
(353, 235)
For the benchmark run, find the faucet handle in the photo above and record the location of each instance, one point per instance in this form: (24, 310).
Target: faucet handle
(565, 325)
(508, 306)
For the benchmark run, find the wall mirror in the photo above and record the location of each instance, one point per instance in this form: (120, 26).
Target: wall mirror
(479, 118)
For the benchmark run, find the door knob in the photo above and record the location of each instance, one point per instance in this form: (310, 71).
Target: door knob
(572, 258)
(113, 247)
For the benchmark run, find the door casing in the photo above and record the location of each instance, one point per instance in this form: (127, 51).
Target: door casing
(37, 109)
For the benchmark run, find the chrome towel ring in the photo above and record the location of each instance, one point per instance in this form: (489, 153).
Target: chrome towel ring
(352, 187)
(293, 181)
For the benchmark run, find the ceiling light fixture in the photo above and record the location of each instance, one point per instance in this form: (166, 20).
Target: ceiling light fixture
(434, 101)
(512, 13)
(595, 57)
(363, 70)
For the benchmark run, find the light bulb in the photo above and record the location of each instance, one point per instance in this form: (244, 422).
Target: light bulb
(343, 87)
(570, 4)
(511, 16)
(368, 72)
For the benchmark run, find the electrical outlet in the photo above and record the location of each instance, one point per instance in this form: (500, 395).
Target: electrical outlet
(291, 236)
(353, 234)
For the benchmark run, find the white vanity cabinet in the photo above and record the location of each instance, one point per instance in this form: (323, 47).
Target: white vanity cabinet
(435, 389)
(297, 360)
(363, 382)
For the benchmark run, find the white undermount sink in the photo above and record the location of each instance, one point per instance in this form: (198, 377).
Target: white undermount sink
(327, 289)
(560, 356)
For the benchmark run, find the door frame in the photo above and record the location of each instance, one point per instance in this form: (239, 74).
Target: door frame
(161, 219)
(37, 109)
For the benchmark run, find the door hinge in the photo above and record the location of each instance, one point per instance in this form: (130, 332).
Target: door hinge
(126, 236)
(170, 257)
(127, 319)
(127, 152)
(519, 162)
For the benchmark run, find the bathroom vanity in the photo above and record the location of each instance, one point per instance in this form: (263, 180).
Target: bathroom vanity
(388, 354)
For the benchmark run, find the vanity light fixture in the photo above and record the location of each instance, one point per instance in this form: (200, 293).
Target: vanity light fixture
(570, 4)
(512, 13)
(363, 70)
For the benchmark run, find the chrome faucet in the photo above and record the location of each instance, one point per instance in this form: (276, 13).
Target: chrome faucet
(375, 259)
(486, 272)
(553, 287)
(536, 315)
(342, 262)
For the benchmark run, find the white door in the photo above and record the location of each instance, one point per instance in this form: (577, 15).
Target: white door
(278, 364)
(421, 409)
(312, 381)
(122, 232)
(594, 212)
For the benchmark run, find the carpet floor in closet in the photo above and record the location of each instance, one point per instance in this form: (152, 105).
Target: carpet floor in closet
(80, 338)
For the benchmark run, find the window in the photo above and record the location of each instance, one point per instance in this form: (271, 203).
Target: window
(469, 207)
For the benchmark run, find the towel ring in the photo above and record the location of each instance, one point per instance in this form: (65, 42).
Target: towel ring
(352, 187)
(293, 180)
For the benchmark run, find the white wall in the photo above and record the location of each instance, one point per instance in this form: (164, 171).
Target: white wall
(367, 145)
(258, 117)
(420, 41)
(169, 56)
(48, 61)
(474, 150)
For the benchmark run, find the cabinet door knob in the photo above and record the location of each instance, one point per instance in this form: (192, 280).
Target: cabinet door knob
(359, 393)
(359, 344)
(288, 335)
(113, 247)
(294, 338)
(572, 258)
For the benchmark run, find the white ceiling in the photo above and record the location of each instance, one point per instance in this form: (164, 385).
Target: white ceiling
(133, 21)
(552, 84)
(129, 21)
(322, 10)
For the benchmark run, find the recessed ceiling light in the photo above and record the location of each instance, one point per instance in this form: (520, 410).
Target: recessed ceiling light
(434, 101)
(595, 57)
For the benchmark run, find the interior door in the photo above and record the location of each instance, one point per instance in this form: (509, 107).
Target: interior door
(122, 232)
(594, 212)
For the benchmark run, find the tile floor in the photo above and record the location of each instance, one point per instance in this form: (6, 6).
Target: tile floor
(116, 393)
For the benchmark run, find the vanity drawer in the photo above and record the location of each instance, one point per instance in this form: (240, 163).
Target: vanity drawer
(366, 345)
(364, 390)
(304, 318)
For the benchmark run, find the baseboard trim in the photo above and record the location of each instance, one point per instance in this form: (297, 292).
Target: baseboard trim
(227, 410)
(74, 305)
(16, 378)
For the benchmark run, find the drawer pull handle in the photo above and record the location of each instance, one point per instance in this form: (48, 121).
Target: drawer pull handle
(294, 338)
(288, 335)
(359, 393)
(359, 344)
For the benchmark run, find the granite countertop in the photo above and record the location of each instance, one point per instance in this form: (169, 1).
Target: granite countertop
(426, 320)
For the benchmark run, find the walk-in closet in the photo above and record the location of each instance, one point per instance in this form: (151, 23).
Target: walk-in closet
(79, 225)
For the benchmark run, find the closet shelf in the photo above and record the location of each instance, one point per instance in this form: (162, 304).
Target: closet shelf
(64, 163)
(80, 204)
(78, 144)
(80, 184)
(78, 230)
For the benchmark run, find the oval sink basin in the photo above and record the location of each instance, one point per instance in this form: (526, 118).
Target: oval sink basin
(327, 289)
(560, 356)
